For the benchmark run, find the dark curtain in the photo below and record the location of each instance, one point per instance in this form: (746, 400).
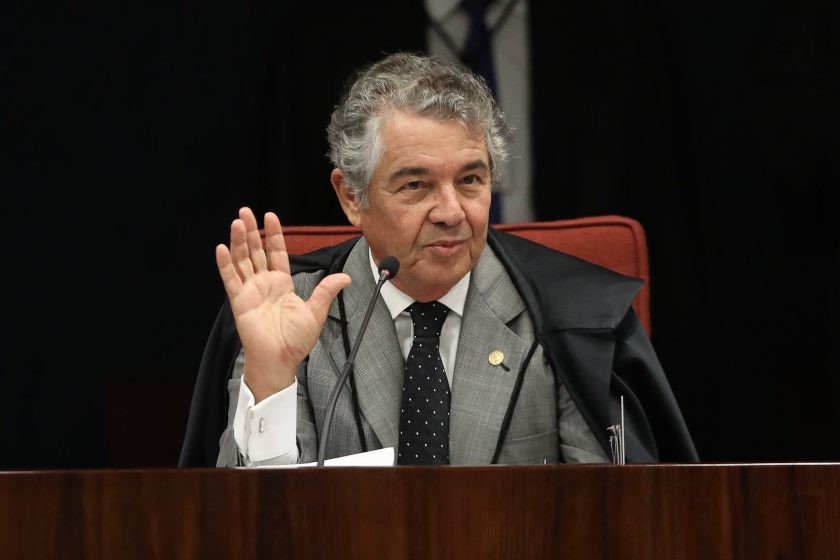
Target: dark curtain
(133, 132)
(715, 125)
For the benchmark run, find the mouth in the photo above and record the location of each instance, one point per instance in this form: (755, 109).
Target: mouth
(446, 247)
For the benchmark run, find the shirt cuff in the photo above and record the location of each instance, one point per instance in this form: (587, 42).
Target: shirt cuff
(267, 431)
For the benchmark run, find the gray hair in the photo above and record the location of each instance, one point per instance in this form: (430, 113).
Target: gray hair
(421, 85)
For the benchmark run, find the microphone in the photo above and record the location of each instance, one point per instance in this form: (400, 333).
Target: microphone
(388, 269)
(389, 265)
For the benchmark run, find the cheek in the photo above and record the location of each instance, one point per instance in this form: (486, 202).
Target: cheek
(478, 215)
(411, 224)
(399, 232)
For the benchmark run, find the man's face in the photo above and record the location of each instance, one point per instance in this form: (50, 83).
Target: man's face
(429, 202)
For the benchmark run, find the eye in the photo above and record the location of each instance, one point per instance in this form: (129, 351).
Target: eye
(471, 179)
(413, 185)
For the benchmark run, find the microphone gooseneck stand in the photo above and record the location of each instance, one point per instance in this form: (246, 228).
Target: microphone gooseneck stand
(387, 271)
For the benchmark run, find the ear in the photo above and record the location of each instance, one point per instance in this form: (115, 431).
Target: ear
(346, 198)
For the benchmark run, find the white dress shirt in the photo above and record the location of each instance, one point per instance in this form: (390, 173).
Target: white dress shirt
(265, 433)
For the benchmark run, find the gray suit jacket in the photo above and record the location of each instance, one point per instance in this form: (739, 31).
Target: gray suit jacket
(545, 425)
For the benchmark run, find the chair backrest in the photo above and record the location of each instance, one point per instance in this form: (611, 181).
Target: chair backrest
(614, 242)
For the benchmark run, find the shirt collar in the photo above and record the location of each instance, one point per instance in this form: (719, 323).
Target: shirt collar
(396, 301)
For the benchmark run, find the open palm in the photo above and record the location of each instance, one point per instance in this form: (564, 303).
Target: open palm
(277, 328)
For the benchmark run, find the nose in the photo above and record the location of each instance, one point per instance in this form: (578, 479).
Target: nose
(447, 209)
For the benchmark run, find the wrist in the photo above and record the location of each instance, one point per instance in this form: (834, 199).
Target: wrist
(266, 381)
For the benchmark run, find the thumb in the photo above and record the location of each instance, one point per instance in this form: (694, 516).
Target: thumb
(323, 294)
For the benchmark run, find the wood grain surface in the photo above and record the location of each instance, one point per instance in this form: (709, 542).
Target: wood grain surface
(754, 511)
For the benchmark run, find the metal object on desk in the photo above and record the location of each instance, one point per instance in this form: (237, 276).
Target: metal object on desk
(617, 438)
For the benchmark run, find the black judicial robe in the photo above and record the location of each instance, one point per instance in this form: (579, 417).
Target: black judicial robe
(583, 318)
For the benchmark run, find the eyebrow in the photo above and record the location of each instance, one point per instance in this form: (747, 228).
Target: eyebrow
(406, 171)
(476, 164)
(416, 170)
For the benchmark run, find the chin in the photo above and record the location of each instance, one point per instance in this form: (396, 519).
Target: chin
(444, 280)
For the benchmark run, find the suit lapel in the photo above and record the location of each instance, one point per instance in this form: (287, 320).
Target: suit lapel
(481, 391)
(379, 363)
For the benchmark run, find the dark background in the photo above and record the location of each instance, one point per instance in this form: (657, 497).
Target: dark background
(134, 131)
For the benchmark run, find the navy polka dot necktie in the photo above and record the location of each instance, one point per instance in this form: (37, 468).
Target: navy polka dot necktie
(424, 411)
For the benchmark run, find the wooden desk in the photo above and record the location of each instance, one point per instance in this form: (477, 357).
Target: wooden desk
(646, 512)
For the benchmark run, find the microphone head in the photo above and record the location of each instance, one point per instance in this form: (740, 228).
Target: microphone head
(390, 265)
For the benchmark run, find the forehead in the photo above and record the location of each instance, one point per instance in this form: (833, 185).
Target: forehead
(406, 136)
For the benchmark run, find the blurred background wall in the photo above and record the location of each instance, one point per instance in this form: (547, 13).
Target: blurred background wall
(134, 131)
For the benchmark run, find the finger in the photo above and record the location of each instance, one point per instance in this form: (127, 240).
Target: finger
(239, 250)
(254, 240)
(230, 278)
(324, 293)
(278, 258)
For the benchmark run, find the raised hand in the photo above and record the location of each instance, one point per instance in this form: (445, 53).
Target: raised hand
(277, 328)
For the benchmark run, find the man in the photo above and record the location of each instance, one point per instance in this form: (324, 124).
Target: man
(530, 348)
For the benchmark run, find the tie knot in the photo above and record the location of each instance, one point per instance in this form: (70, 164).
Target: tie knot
(428, 318)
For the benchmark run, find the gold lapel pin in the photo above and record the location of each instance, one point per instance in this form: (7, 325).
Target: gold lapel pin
(496, 358)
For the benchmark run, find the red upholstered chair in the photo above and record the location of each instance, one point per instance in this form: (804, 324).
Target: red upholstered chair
(614, 242)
